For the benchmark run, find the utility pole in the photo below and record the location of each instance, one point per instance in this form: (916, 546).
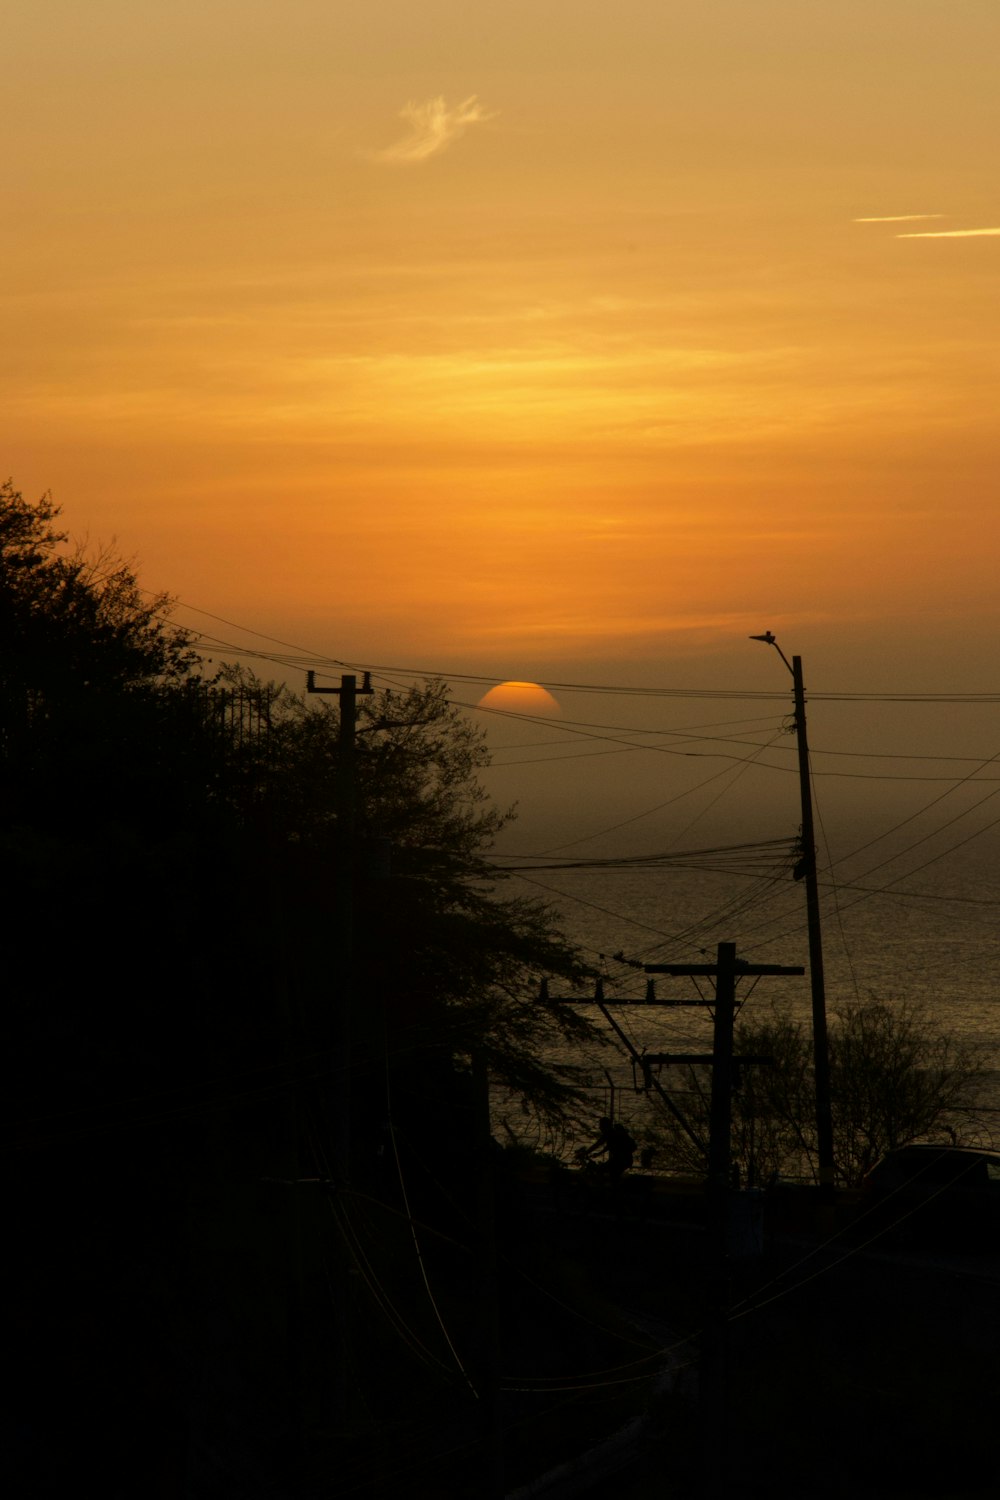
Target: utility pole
(714, 1377)
(642, 1060)
(490, 1393)
(725, 971)
(343, 1033)
(821, 1046)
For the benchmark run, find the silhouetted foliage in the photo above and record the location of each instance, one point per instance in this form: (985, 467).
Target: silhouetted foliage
(448, 963)
(142, 799)
(84, 658)
(186, 925)
(102, 782)
(896, 1076)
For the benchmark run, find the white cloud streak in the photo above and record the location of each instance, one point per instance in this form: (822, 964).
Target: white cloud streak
(433, 128)
(948, 234)
(898, 218)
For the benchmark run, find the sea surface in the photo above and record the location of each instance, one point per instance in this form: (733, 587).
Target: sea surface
(903, 919)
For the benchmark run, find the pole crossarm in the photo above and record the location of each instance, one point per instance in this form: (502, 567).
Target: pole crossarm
(623, 1000)
(690, 1058)
(740, 968)
(347, 1016)
(599, 997)
(348, 685)
(706, 1058)
(651, 1082)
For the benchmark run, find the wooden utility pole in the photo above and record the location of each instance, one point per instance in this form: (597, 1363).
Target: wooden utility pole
(489, 1383)
(714, 1378)
(821, 1046)
(817, 983)
(725, 971)
(640, 1060)
(343, 1030)
(341, 1033)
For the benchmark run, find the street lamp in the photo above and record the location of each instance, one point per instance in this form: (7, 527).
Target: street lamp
(821, 1049)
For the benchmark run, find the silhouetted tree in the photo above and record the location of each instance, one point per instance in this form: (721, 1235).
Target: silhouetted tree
(449, 963)
(101, 788)
(896, 1076)
(84, 657)
(175, 933)
(143, 802)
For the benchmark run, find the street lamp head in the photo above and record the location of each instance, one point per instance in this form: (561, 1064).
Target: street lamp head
(770, 639)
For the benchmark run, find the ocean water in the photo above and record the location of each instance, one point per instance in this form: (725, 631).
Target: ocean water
(904, 918)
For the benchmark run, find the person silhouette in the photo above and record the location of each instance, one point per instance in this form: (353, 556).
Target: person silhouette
(616, 1144)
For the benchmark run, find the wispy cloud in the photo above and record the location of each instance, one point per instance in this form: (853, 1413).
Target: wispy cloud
(433, 128)
(947, 234)
(898, 218)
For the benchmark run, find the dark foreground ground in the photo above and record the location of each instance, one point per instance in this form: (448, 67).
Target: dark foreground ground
(848, 1365)
(251, 1343)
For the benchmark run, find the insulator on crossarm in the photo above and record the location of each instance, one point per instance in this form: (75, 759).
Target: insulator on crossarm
(650, 991)
(599, 989)
(543, 991)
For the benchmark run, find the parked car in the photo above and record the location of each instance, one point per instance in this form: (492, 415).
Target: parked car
(947, 1195)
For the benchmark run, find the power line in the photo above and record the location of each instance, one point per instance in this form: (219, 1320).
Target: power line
(594, 905)
(919, 812)
(887, 889)
(646, 813)
(932, 896)
(698, 858)
(892, 858)
(319, 659)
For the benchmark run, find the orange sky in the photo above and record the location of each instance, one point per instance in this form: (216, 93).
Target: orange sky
(532, 338)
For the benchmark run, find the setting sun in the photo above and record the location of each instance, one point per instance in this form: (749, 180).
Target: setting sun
(521, 698)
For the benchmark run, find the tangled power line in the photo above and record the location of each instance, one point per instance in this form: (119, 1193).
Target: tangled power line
(743, 743)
